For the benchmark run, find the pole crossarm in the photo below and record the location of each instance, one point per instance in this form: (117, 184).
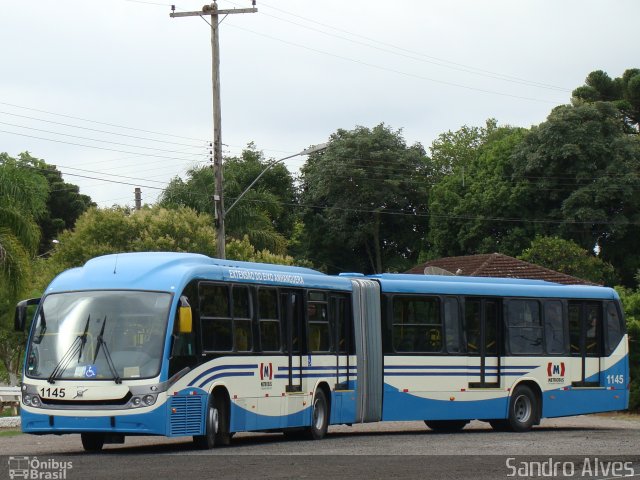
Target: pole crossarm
(212, 12)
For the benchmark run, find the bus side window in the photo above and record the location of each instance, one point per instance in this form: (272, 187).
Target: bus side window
(318, 322)
(472, 314)
(554, 328)
(215, 317)
(452, 325)
(524, 327)
(417, 324)
(269, 320)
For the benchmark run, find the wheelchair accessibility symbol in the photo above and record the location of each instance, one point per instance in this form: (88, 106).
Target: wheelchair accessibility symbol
(90, 371)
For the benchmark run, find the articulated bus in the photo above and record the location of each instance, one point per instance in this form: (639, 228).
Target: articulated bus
(183, 345)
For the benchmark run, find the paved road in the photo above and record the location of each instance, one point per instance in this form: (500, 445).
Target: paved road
(386, 450)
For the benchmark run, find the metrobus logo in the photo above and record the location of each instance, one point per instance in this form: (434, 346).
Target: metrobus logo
(555, 369)
(266, 371)
(555, 372)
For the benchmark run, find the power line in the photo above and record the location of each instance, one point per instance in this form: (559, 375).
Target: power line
(385, 211)
(391, 70)
(436, 59)
(419, 56)
(98, 140)
(95, 147)
(102, 123)
(104, 131)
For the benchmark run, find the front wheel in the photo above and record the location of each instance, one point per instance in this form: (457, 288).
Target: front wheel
(216, 425)
(92, 442)
(319, 416)
(523, 408)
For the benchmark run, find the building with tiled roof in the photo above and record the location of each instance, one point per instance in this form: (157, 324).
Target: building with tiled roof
(494, 265)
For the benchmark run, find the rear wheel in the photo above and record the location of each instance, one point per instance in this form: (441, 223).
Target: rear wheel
(92, 442)
(446, 425)
(523, 408)
(319, 416)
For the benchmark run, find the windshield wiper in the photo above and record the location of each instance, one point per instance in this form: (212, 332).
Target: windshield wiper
(75, 348)
(101, 342)
(43, 329)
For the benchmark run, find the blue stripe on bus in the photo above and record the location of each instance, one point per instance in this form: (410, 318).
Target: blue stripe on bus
(443, 367)
(341, 367)
(220, 367)
(226, 374)
(452, 374)
(308, 375)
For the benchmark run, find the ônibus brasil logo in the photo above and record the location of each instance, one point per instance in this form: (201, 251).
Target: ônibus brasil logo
(555, 372)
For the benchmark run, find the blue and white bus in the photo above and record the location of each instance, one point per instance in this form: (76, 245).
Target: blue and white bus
(183, 345)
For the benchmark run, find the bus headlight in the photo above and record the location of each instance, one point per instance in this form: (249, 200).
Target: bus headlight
(35, 401)
(143, 400)
(26, 399)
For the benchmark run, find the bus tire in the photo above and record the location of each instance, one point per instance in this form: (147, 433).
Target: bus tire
(216, 425)
(92, 442)
(445, 426)
(223, 436)
(319, 416)
(523, 406)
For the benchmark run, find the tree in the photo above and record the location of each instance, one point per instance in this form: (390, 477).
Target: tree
(65, 203)
(103, 231)
(452, 152)
(152, 229)
(484, 212)
(568, 257)
(22, 200)
(581, 171)
(244, 251)
(264, 213)
(631, 303)
(623, 92)
(364, 199)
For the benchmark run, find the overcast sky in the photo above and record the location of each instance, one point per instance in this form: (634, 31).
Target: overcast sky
(120, 92)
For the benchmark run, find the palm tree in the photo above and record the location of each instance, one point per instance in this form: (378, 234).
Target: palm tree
(23, 195)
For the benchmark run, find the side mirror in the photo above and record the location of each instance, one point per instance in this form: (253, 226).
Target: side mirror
(185, 316)
(20, 318)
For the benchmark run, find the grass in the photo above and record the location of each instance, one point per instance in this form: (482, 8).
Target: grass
(10, 432)
(6, 412)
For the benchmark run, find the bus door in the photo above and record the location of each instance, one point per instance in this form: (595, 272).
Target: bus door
(292, 302)
(482, 317)
(585, 335)
(342, 333)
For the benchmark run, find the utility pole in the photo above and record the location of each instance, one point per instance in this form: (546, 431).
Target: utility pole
(218, 198)
(138, 198)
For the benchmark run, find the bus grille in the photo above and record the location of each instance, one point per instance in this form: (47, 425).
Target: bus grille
(187, 419)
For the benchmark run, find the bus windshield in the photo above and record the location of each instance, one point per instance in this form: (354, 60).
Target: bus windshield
(98, 335)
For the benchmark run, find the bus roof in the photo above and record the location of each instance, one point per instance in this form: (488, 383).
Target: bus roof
(505, 287)
(461, 279)
(170, 272)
